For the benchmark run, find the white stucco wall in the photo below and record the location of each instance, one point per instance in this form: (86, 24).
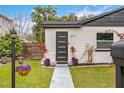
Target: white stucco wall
(50, 41)
(79, 37)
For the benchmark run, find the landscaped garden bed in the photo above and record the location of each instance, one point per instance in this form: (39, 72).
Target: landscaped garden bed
(39, 77)
(93, 77)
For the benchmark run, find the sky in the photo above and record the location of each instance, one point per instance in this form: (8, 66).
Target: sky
(79, 10)
(13, 11)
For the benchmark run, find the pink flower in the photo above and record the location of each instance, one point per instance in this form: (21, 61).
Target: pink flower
(120, 35)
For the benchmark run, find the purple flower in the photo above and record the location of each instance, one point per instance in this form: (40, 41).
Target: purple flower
(47, 62)
(25, 67)
(74, 61)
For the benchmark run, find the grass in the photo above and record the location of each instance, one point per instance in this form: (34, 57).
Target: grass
(38, 78)
(83, 77)
(93, 77)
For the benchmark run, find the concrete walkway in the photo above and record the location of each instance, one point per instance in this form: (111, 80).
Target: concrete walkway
(61, 77)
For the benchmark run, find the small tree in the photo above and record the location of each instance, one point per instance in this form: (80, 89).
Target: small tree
(90, 50)
(23, 25)
(73, 50)
(73, 59)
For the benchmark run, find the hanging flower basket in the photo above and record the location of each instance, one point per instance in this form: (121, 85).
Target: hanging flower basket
(23, 70)
(74, 61)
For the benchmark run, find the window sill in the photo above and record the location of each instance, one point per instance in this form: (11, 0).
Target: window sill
(102, 50)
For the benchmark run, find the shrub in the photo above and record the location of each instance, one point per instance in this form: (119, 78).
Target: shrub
(5, 45)
(42, 48)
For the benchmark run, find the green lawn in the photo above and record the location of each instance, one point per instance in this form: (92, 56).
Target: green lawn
(93, 77)
(38, 78)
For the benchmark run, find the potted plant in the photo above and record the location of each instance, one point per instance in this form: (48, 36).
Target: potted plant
(47, 62)
(43, 51)
(23, 70)
(73, 59)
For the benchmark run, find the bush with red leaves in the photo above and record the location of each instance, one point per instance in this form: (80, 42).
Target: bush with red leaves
(42, 48)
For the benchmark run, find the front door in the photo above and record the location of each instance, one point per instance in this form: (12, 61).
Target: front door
(61, 47)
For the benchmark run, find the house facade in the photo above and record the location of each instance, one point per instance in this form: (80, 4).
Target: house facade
(6, 24)
(98, 32)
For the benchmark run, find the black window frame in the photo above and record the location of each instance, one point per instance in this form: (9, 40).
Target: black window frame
(104, 41)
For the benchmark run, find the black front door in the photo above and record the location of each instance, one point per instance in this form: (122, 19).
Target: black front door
(61, 47)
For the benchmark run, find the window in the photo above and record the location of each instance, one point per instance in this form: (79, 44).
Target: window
(104, 40)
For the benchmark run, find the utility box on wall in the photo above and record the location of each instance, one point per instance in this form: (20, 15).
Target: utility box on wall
(117, 53)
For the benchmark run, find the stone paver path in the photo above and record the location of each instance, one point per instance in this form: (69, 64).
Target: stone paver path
(61, 77)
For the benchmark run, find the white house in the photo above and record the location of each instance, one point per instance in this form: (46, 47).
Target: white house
(98, 31)
(6, 24)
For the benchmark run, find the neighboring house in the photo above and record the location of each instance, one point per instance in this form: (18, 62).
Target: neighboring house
(97, 31)
(6, 24)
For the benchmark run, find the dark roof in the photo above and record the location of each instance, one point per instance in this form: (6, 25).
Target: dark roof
(61, 22)
(64, 24)
(102, 15)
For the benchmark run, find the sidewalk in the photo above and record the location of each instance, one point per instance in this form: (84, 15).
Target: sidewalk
(61, 77)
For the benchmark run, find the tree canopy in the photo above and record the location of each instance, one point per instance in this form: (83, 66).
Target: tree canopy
(39, 15)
